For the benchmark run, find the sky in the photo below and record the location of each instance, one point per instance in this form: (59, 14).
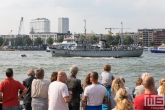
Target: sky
(99, 14)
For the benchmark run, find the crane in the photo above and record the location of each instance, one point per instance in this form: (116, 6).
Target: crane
(20, 26)
(5, 40)
(114, 28)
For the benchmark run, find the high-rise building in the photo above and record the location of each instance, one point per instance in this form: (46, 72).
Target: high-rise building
(40, 25)
(158, 36)
(146, 36)
(63, 25)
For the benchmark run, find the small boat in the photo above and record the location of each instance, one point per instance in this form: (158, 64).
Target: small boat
(147, 48)
(23, 55)
(47, 49)
(161, 49)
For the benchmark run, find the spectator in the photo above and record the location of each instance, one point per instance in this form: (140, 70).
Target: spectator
(0, 102)
(143, 101)
(53, 76)
(138, 83)
(74, 85)
(27, 83)
(9, 91)
(140, 89)
(39, 91)
(116, 85)
(128, 90)
(161, 89)
(107, 78)
(59, 97)
(87, 81)
(122, 101)
(94, 94)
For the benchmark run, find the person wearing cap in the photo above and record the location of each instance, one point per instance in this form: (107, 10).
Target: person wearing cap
(27, 83)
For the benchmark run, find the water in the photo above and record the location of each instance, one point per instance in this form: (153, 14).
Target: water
(130, 67)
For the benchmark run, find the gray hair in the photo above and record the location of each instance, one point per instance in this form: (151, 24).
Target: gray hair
(31, 72)
(144, 75)
(74, 69)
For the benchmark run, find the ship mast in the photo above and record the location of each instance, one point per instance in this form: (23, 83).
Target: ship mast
(85, 27)
(121, 33)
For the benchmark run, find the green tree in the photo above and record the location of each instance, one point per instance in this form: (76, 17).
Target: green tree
(163, 42)
(82, 38)
(140, 42)
(116, 40)
(38, 41)
(109, 39)
(60, 39)
(93, 39)
(49, 40)
(128, 40)
(1, 41)
(19, 41)
(27, 41)
(151, 43)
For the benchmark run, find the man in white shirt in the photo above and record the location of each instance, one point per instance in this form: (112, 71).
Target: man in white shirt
(94, 94)
(58, 94)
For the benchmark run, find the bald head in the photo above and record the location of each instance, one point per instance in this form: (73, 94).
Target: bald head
(148, 82)
(61, 76)
(31, 72)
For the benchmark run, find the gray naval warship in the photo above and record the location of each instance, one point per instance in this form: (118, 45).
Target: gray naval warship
(82, 49)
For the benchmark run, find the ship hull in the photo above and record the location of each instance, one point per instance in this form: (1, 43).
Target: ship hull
(158, 51)
(96, 53)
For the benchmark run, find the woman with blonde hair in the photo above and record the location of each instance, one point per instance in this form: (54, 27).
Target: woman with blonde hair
(116, 85)
(122, 101)
(161, 89)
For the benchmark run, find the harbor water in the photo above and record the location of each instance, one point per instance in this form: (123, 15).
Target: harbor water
(128, 67)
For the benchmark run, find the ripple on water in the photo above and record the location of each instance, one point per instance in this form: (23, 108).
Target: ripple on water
(130, 67)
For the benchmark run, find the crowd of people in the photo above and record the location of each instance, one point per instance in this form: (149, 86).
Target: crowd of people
(68, 93)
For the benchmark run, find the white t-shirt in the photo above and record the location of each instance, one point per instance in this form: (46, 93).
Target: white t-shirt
(57, 91)
(95, 94)
(106, 78)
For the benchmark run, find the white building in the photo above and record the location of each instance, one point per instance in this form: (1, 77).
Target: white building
(45, 35)
(63, 25)
(133, 35)
(40, 25)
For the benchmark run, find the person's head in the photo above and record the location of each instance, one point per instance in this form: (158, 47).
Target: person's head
(116, 85)
(107, 68)
(161, 81)
(94, 77)
(87, 80)
(61, 76)
(9, 72)
(31, 72)
(39, 73)
(74, 70)
(53, 76)
(162, 90)
(121, 78)
(149, 83)
(144, 75)
(122, 101)
(138, 81)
